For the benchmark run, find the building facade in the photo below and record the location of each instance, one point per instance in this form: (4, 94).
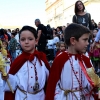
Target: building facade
(60, 12)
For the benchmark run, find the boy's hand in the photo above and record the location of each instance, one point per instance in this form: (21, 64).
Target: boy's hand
(5, 77)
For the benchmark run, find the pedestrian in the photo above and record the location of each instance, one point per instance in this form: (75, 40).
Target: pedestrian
(12, 46)
(81, 17)
(41, 32)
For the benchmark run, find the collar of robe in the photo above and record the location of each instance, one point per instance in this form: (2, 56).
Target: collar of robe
(30, 57)
(77, 56)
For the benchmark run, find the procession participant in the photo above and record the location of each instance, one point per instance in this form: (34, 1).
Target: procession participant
(29, 71)
(71, 81)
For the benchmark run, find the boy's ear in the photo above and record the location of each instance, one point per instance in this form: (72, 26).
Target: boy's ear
(36, 41)
(72, 40)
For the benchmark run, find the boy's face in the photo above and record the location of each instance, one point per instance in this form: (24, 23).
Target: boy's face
(12, 35)
(62, 47)
(27, 41)
(82, 43)
(4, 44)
(94, 32)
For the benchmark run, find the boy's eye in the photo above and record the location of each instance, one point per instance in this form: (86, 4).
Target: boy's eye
(30, 39)
(85, 39)
(22, 39)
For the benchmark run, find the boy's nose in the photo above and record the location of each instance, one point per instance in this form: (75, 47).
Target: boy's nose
(87, 43)
(26, 41)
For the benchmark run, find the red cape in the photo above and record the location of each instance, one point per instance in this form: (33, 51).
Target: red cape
(56, 70)
(19, 61)
(58, 52)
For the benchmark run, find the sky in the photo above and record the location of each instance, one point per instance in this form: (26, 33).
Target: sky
(21, 12)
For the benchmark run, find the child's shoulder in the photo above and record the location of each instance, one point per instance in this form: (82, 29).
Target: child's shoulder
(62, 56)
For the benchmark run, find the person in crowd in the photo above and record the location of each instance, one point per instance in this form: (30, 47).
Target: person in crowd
(17, 34)
(50, 50)
(41, 32)
(61, 47)
(9, 37)
(3, 36)
(13, 31)
(71, 81)
(81, 17)
(30, 70)
(63, 29)
(5, 45)
(54, 31)
(55, 41)
(62, 37)
(97, 38)
(9, 31)
(95, 53)
(94, 25)
(12, 46)
(98, 26)
(59, 31)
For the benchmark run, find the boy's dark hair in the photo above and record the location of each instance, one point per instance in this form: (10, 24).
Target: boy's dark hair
(14, 34)
(74, 30)
(29, 28)
(61, 42)
(76, 10)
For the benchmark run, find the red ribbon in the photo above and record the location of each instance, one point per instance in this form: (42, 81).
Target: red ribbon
(85, 73)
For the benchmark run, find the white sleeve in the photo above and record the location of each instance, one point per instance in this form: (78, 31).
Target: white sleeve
(13, 82)
(54, 40)
(97, 38)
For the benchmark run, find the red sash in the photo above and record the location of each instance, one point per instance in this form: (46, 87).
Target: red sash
(85, 73)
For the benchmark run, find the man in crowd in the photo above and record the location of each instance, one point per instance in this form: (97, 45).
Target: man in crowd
(41, 31)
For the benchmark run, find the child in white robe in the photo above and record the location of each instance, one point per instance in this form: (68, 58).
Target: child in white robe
(68, 79)
(30, 70)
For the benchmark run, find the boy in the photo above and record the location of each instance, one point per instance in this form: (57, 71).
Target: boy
(29, 71)
(71, 81)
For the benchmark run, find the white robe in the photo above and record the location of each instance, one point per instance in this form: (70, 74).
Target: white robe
(25, 79)
(68, 81)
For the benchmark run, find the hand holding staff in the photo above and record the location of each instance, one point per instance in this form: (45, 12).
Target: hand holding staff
(2, 69)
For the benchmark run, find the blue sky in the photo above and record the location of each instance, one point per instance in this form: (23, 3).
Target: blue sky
(21, 12)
